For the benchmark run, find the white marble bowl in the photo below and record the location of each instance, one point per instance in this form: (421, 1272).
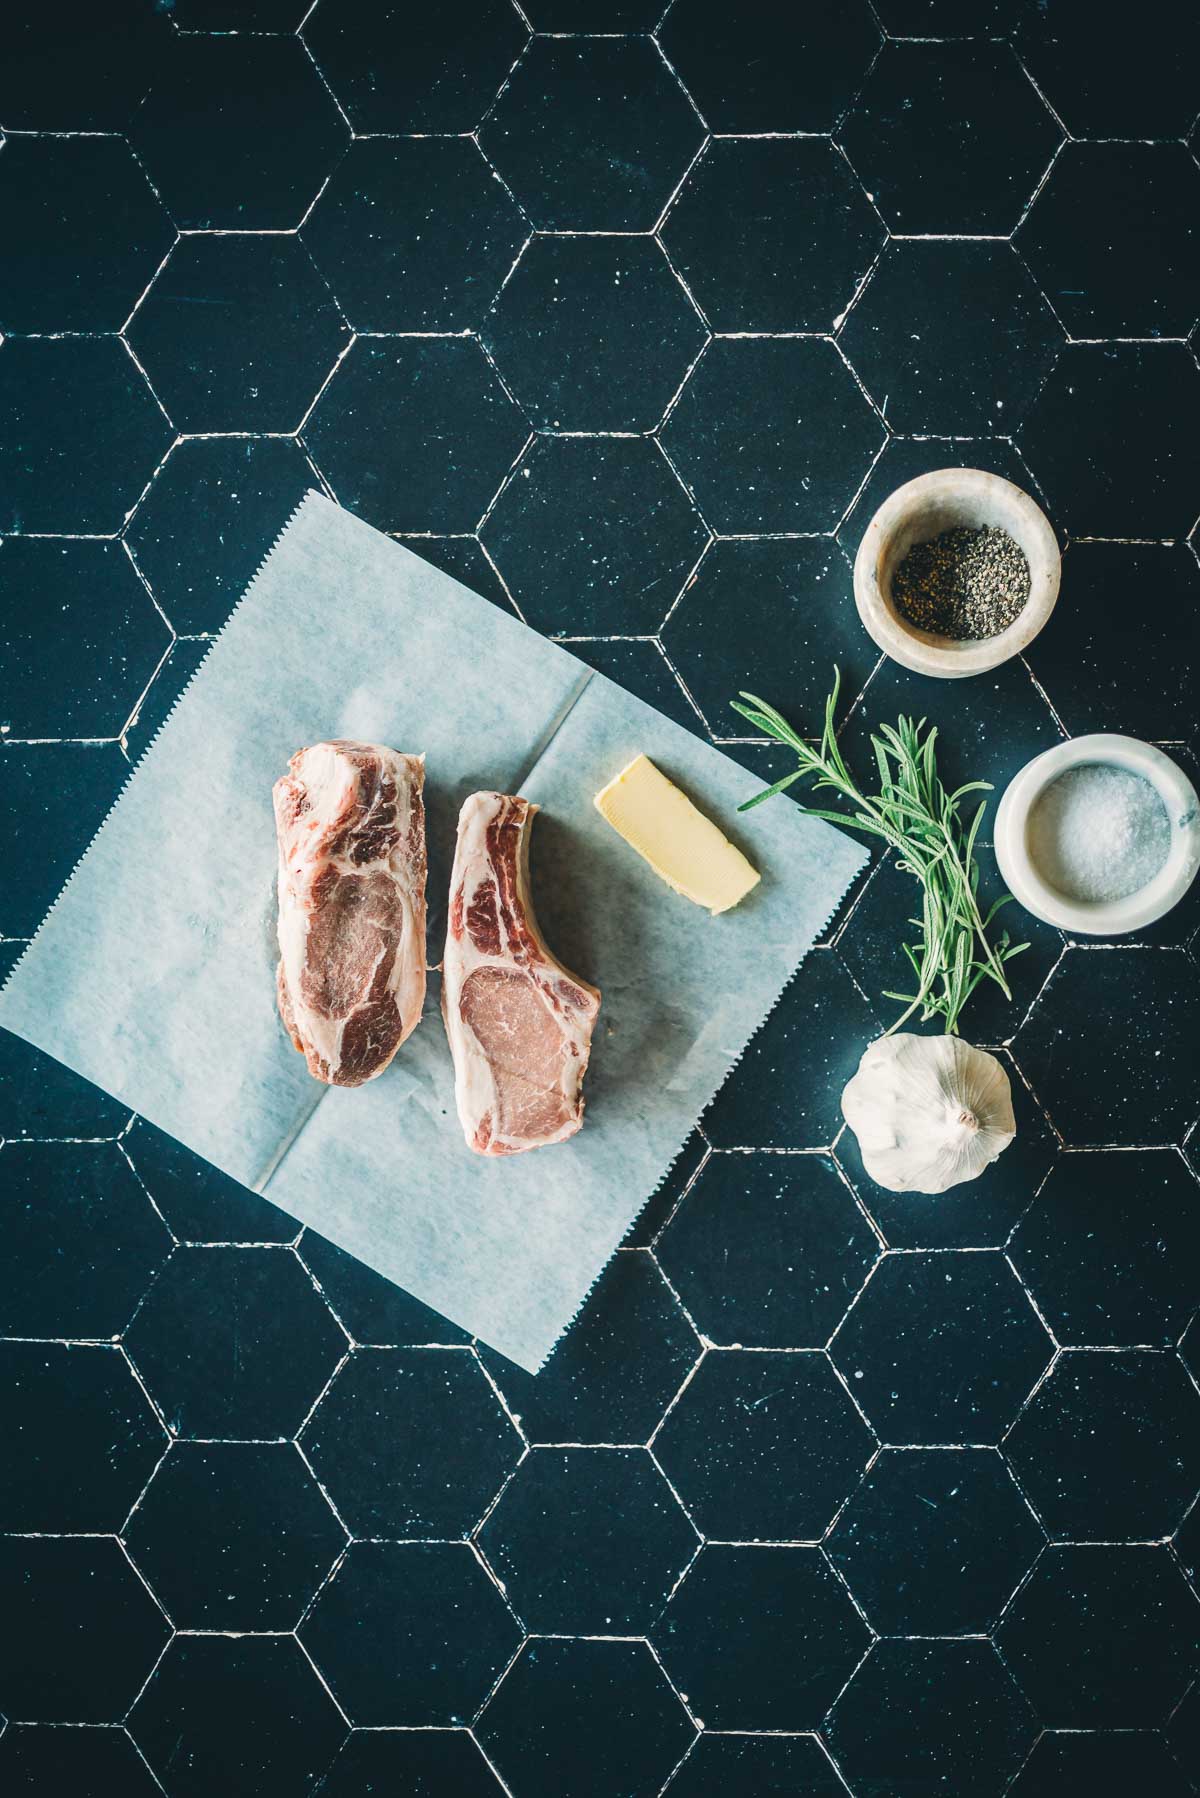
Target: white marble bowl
(1116, 917)
(924, 508)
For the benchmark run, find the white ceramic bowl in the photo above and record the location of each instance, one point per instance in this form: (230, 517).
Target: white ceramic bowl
(1118, 916)
(924, 508)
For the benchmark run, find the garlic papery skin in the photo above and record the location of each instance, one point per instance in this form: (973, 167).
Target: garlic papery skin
(929, 1111)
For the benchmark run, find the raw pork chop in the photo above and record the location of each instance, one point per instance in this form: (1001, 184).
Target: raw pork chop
(351, 826)
(520, 1026)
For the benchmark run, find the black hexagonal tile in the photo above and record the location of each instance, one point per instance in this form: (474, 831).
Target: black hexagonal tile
(410, 1633)
(414, 234)
(157, 703)
(1183, 1731)
(615, 1371)
(259, 1537)
(1108, 1448)
(772, 234)
(593, 333)
(768, 1250)
(79, 1633)
(239, 15)
(772, 434)
(763, 1446)
(1110, 438)
(593, 15)
(39, 1097)
(771, 616)
(234, 1343)
(238, 132)
(904, 458)
(946, 18)
(416, 433)
(1149, 1001)
(84, 1234)
(82, 1440)
(1101, 658)
(1109, 1249)
(771, 67)
(592, 134)
(238, 333)
(1112, 239)
(931, 1716)
(952, 336)
(588, 1541)
(1103, 1763)
(594, 535)
(84, 638)
(1189, 1347)
(237, 1714)
(54, 794)
(80, 434)
(988, 728)
(760, 1638)
(83, 233)
(369, 1308)
(676, 1182)
(411, 1442)
(638, 664)
(980, 1213)
(79, 70)
(949, 137)
(934, 1541)
(769, 1766)
(463, 559)
(421, 1763)
(872, 947)
(942, 1347)
(1108, 82)
(90, 1762)
(200, 1203)
(1102, 1636)
(393, 75)
(822, 1015)
(586, 1717)
(212, 513)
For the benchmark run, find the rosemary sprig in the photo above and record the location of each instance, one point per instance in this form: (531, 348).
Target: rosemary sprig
(914, 814)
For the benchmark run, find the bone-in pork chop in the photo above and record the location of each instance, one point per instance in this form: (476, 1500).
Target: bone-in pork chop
(520, 1025)
(350, 820)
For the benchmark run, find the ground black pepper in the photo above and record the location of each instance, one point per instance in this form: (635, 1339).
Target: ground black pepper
(963, 584)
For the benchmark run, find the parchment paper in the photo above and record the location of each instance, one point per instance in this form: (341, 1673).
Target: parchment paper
(153, 975)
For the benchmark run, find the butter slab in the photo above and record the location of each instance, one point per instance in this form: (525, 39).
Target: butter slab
(684, 848)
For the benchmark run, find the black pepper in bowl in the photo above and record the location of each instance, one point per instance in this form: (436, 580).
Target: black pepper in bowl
(964, 583)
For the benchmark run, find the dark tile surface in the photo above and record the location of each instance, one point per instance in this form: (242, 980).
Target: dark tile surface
(222, 118)
(930, 1716)
(935, 1541)
(760, 1638)
(238, 331)
(949, 137)
(941, 1347)
(385, 200)
(80, 434)
(594, 535)
(85, 641)
(1102, 1637)
(1112, 239)
(1110, 1250)
(592, 134)
(593, 333)
(410, 1633)
(246, 1714)
(589, 1717)
(952, 337)
(1108, 1448)
(260, 1538)
(588, 1541)
(452, 1444)
(772, 434)
(768, 1250)
(772, 234)
(763, 1446)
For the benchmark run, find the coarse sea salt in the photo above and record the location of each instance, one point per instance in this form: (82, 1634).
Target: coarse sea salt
(1098, 833)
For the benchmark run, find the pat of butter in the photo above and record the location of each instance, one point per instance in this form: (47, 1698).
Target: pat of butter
(682, 846)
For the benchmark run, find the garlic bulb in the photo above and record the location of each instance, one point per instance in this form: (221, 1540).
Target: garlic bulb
(929, 1111)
